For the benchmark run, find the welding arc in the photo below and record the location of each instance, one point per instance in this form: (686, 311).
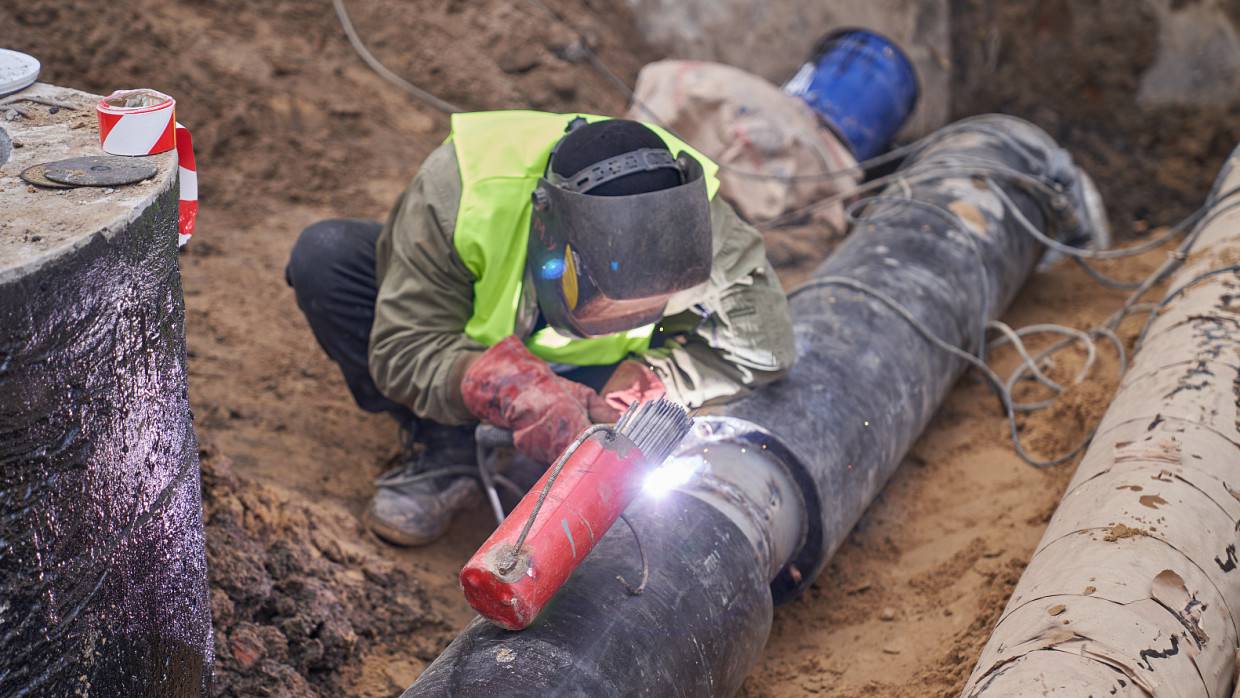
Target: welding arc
(656, 427)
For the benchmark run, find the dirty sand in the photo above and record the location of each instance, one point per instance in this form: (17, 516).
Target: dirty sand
(291, 127)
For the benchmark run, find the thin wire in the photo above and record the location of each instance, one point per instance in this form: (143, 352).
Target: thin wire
(1103, 279)
(996, 382)
(360, 47)
(1194, 223)
(641, 550)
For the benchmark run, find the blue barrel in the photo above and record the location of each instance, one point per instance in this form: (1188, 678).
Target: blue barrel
(862, 85)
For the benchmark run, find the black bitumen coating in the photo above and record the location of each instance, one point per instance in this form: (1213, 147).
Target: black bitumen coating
(103, 586)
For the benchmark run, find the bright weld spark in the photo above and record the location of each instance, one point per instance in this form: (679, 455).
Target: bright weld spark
(672, 474)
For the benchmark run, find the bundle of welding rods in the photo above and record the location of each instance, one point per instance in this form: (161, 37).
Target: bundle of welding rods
(656, 427)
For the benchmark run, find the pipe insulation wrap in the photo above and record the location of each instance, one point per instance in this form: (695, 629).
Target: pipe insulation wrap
(103, 585)
(781, 475)
(1134, 588)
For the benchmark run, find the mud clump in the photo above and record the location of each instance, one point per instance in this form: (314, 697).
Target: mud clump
(1120, 531)
(296, 608)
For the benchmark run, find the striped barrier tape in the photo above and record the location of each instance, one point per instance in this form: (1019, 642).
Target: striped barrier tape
(143, 122)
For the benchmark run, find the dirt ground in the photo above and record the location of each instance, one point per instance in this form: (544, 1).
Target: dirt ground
(291, 127)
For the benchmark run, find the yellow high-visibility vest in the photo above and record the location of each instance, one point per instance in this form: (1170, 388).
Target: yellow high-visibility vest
(502, 154)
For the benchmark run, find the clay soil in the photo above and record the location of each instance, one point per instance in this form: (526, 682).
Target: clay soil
(291, 127)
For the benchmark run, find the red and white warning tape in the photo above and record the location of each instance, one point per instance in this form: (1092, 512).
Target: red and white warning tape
(143, 122)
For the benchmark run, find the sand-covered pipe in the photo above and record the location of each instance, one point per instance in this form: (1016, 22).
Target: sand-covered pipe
(1134, 589)
(103, 586)
(776, 480)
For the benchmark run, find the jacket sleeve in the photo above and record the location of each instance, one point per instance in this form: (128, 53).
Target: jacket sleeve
(418, 347)
(733, 334)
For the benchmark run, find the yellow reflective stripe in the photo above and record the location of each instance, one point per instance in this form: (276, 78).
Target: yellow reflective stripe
(551, 346)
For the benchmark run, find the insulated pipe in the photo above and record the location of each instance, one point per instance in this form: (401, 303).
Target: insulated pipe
(1134, 588)
(103, 581)
(773, 481)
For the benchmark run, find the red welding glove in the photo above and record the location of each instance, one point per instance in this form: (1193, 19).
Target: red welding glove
(513, 389)
(631, 383)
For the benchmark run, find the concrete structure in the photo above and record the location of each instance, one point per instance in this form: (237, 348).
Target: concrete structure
(103, 587)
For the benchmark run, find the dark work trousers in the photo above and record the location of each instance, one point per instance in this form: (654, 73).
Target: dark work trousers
(332, 272)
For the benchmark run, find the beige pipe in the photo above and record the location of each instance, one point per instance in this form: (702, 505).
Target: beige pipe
(1134, 590)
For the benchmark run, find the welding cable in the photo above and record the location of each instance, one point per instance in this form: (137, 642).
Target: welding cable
(360, 47)
(1029, 363)
(956, 225)
(1015, 338)
(1195, 222)
(996, 382)
(1102, 278)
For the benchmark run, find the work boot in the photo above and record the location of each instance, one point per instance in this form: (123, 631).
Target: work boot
(415, 502)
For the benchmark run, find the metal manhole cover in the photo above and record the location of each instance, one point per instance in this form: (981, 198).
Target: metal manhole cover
(37, 176)
(100, 171)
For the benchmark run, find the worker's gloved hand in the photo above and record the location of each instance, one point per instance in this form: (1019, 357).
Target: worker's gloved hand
(632, 382)
(513, 389)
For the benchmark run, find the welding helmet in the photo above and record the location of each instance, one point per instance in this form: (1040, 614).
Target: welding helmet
(618, 226)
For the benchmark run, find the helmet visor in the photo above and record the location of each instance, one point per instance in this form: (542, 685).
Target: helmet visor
(605, 264)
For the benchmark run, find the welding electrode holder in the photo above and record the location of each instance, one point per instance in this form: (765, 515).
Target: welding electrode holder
(521, 566)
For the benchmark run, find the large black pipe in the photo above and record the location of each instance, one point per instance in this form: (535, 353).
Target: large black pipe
(783, 474)
(866, 382)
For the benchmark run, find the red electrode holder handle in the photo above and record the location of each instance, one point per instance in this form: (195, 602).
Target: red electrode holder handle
(601, 474)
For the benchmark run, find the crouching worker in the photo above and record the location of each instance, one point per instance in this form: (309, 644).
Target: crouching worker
(540, 273)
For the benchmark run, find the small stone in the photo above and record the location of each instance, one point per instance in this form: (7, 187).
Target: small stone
(890, 650)
(887, 614)
(1089, 590)
(328, 547)
(519, 58)
(1056, 609)
(947, 612)
(863, 586)
(247, 647)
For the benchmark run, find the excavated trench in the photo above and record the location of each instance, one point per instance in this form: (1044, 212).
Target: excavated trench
(291, 127)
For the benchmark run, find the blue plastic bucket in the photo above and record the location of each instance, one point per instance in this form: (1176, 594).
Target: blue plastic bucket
(862, 85)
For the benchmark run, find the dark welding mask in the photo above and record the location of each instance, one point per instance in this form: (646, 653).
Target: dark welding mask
(608, 263)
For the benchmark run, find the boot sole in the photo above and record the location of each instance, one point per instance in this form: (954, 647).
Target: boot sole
(395, 536)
